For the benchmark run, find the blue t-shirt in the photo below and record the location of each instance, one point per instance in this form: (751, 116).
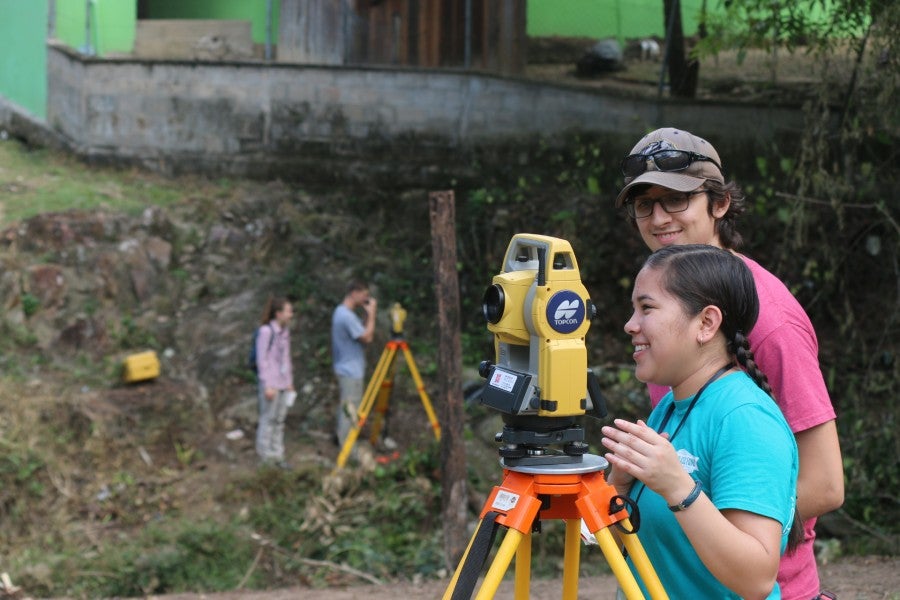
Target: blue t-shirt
(738, 444)
(348, 354)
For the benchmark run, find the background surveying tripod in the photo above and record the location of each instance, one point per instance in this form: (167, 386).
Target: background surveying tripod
(569, 492)
(378, 391)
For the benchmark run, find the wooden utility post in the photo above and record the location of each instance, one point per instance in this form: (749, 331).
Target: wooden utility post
(454, 492)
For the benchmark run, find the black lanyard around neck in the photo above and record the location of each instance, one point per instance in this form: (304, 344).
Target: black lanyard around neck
(687, 413)
(671, 409)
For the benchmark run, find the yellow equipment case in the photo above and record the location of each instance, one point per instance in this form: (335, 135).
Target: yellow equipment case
(140, 367)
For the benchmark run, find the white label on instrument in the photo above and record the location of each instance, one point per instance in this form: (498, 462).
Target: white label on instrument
(505, 501)
(503, 380)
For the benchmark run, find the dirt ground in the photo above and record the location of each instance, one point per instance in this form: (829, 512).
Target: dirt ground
(850, 578)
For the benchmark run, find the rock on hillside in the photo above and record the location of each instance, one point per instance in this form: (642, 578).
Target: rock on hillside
(188, 281)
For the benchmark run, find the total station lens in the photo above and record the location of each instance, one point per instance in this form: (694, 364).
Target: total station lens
(493, 304)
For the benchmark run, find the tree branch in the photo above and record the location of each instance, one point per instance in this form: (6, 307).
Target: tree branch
(879, 207)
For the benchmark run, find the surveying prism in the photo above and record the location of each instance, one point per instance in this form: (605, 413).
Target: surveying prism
(539, 312)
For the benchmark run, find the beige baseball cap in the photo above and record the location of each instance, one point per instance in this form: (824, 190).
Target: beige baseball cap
(685, 180)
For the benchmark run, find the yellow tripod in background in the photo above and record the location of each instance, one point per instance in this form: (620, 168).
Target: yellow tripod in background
(378, 391)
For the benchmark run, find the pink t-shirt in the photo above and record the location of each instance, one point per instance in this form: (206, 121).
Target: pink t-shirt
(785, 347)
(274, 356)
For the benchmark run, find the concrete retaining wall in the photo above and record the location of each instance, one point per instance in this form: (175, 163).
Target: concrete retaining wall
(251, 118)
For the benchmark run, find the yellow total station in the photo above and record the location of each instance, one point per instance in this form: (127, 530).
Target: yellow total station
(539, 312)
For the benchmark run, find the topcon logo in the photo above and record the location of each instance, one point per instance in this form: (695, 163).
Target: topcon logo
(565, 311)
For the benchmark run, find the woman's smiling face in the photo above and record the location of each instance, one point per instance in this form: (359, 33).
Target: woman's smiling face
(664, 337)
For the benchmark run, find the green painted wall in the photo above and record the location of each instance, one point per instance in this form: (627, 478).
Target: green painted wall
(245, 10)
(627, 19)
(112, 25)
(23, 54)
(113, 22)
(621, 19)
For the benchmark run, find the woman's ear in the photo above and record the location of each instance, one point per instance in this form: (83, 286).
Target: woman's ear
(710, 323)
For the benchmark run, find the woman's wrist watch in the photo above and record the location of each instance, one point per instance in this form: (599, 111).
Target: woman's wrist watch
(695, 493)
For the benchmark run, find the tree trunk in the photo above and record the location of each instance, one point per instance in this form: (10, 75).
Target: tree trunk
(683, 74)
(453, 453)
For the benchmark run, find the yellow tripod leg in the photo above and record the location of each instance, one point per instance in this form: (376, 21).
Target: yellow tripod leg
(571, 559)
(498, 568)
(426, 403)
(451, 588)
(617, 563)
(383, 397)
(642, 563)
(384, 364)
(523, 569)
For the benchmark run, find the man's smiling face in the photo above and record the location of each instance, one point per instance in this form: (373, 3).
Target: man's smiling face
(691, 226)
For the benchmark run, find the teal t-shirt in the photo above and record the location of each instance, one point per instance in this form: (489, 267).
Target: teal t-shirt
(738, 444)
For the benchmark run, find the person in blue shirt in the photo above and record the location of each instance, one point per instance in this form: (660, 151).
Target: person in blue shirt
(349, 336)
(713, 470)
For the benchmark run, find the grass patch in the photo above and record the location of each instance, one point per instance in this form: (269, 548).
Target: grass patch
(35, 181)
(164, 558)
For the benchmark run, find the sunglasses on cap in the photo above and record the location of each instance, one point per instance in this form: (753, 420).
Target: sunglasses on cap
(664, 160)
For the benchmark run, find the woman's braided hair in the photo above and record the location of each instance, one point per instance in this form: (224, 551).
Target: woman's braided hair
(699, 276)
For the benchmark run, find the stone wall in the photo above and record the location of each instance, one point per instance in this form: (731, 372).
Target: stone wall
(265, 119)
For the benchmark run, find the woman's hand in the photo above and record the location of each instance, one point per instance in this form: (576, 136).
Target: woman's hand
(636, 450)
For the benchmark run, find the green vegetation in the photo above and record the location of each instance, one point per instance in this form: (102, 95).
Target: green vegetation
(35, 181)
(304, 525)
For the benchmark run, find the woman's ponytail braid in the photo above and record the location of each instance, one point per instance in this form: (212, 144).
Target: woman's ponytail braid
(745, 359)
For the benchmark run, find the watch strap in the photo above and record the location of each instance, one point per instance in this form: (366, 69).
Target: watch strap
(695, 493)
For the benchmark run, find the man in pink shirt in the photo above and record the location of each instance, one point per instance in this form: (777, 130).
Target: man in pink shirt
(675, 193)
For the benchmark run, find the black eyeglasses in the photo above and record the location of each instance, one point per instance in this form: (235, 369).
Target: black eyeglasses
(664, 160)
(641, 207)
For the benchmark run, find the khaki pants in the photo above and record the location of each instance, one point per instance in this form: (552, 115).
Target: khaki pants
(270, 430)
(351, 391)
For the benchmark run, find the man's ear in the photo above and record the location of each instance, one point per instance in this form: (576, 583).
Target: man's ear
(710, 323)
(720, 207)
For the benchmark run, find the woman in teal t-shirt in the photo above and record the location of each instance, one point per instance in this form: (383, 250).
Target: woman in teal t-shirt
(714, 469)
